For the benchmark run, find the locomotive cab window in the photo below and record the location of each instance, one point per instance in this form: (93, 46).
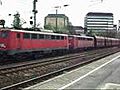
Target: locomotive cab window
(4, 34)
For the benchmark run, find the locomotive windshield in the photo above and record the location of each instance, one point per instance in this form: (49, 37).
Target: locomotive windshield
(3, 34)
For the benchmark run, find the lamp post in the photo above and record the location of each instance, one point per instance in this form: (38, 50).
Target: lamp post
(56, 7)
(56, 16)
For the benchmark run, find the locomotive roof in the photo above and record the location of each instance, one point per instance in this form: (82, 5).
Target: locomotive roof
(100, 37)
(35, 32)
(85, 36)
(81, 36)
(112, 38)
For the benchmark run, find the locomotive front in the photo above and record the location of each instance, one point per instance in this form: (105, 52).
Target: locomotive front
(4, 41)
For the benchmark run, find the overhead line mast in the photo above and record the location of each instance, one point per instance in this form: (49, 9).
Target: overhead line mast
(34, 12)
(0, 2)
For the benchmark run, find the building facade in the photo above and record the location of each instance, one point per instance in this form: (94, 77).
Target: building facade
(97, 23)
(118, 25)
(56, 22)
(78, 30)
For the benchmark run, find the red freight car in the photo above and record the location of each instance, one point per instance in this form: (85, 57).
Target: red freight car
(81, 42)
(99, 41)
(112, 42)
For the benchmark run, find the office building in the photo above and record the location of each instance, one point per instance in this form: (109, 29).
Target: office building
(98, 23)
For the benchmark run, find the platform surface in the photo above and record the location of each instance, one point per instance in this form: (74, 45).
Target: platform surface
(101, 74)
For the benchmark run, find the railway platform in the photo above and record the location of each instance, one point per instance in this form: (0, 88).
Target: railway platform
(101, 74)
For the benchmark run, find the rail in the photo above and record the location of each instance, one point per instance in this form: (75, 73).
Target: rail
(90, 58)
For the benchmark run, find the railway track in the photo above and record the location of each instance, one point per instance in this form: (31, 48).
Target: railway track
(26, 74)
(54, 59)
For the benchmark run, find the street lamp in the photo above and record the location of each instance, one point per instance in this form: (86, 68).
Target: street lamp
(56, 7)
(60, 7)
(56, 15)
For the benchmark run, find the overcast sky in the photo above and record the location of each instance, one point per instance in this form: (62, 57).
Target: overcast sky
(76, 10)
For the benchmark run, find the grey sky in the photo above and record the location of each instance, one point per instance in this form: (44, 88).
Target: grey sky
(76, 10)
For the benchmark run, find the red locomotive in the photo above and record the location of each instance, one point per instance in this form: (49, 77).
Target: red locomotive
(21, 41)
(13, 42)
(81, 42)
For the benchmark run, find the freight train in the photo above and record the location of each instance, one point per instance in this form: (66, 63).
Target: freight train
(16, 42)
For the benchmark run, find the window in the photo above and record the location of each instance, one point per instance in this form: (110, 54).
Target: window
(47, 36)
(90, 39)
(52, 37)
(65, 37)
(4, 34)
(33, 36)
(81, 38)
(62, 37)
(26, 36)
(18, 35)
(57, 37)
(41, 36)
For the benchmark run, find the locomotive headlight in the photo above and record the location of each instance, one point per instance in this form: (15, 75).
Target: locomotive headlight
(2, 45)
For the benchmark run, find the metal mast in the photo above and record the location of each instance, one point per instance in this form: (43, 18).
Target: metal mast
(0, 2)
(34, 12)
